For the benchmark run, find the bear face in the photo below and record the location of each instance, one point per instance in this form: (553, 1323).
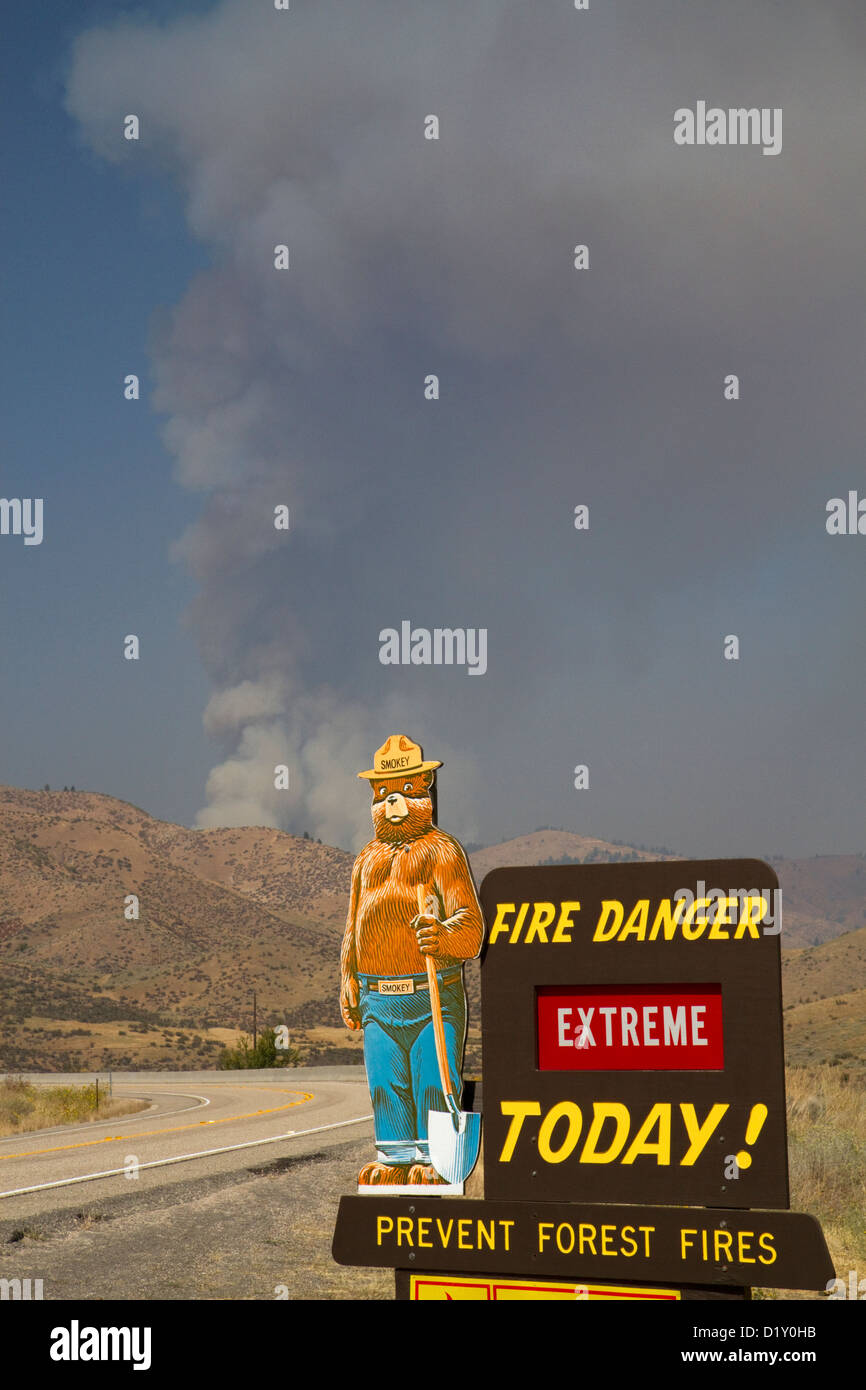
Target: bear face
(402, 807)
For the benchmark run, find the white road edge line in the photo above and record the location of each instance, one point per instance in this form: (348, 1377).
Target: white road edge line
(182, 1158)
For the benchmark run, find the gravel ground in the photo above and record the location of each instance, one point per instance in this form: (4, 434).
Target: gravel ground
(263, 1232)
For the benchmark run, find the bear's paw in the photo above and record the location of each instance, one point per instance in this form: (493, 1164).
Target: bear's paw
(382, 1174)
(424, 1175)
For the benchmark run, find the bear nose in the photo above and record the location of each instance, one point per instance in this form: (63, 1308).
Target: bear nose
(391, 798)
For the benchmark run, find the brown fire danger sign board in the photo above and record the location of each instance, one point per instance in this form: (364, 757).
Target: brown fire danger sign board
(632, 1034)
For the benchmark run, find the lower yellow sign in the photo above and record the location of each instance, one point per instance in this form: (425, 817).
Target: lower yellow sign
(447, 1287)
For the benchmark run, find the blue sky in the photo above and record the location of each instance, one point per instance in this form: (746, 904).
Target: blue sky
(90, 253)
(410, 257)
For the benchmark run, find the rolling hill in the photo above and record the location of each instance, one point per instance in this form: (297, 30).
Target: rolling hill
(90, 977)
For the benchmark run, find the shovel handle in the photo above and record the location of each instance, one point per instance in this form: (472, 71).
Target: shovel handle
(435, 1005)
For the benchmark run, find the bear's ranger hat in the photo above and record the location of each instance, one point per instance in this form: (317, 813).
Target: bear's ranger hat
(398, 756)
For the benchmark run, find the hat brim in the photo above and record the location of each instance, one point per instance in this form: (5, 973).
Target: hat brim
(373, 776)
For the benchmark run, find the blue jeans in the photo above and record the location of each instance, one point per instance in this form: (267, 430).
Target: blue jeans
(402, 1071)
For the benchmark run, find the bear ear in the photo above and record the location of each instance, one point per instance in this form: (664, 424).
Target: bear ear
(429, 778)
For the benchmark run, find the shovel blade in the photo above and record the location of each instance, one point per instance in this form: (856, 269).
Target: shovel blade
(454, 1143)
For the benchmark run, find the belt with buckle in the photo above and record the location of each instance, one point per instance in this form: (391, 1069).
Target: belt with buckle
(407, 984)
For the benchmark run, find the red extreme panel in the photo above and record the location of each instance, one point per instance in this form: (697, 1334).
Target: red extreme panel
(630, 1028)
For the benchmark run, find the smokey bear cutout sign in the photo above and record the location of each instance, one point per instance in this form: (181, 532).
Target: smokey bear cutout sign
(386, 988)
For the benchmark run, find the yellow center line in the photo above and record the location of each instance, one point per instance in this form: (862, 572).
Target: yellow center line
(176, 1129)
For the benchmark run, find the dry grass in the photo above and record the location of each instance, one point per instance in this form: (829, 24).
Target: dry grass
(827, 1147)
(24, 1107)
(827, 1160)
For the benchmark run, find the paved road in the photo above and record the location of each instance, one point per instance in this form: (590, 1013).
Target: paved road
(196, 1125)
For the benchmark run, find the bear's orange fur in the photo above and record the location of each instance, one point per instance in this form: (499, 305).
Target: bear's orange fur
(379, 938)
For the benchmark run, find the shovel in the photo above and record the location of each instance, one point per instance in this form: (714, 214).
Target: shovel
(454, 1136)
